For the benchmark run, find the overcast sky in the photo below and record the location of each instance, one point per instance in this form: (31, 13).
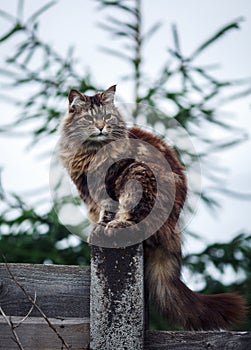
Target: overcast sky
(74, 23)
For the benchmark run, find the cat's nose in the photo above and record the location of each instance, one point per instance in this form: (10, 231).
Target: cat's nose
(100, 125)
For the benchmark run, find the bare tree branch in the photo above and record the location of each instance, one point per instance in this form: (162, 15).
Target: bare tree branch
(28, 314)
(12, 327)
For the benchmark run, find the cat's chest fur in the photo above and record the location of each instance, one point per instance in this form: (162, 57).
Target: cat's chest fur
(99, 184)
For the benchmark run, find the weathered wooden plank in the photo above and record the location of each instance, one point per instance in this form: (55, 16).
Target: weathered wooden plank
(160, 340)
(62, 291)
(34, 334)
(117, 298)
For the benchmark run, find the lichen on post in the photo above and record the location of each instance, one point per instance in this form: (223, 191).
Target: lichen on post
(117, 298)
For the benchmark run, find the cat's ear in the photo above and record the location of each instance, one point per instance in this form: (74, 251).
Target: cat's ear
(75, 95)
(108, 95)
(76, 99)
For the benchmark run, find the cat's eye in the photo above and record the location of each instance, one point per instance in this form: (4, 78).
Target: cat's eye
(108, 116)
(88, 117)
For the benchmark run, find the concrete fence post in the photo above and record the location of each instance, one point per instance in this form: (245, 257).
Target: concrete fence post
(117, 298)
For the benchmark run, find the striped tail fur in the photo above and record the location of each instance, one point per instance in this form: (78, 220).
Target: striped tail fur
(184, 307)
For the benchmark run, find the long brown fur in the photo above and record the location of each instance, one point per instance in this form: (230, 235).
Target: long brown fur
(94, 122)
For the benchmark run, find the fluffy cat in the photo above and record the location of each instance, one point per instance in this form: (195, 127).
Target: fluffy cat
(92, 133)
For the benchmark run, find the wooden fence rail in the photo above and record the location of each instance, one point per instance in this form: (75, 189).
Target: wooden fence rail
(113, 318)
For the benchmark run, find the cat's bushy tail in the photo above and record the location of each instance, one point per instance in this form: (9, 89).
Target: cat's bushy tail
(186, 308)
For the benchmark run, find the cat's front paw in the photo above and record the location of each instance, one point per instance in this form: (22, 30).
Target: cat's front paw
(114, 226)
(111, 235)
(115, 234)
(121, 233)
(97, 236)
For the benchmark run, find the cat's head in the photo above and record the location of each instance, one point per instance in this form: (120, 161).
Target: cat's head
(92, 121)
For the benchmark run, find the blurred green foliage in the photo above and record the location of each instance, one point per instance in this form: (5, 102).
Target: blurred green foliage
(31, 237)
(29, 234)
